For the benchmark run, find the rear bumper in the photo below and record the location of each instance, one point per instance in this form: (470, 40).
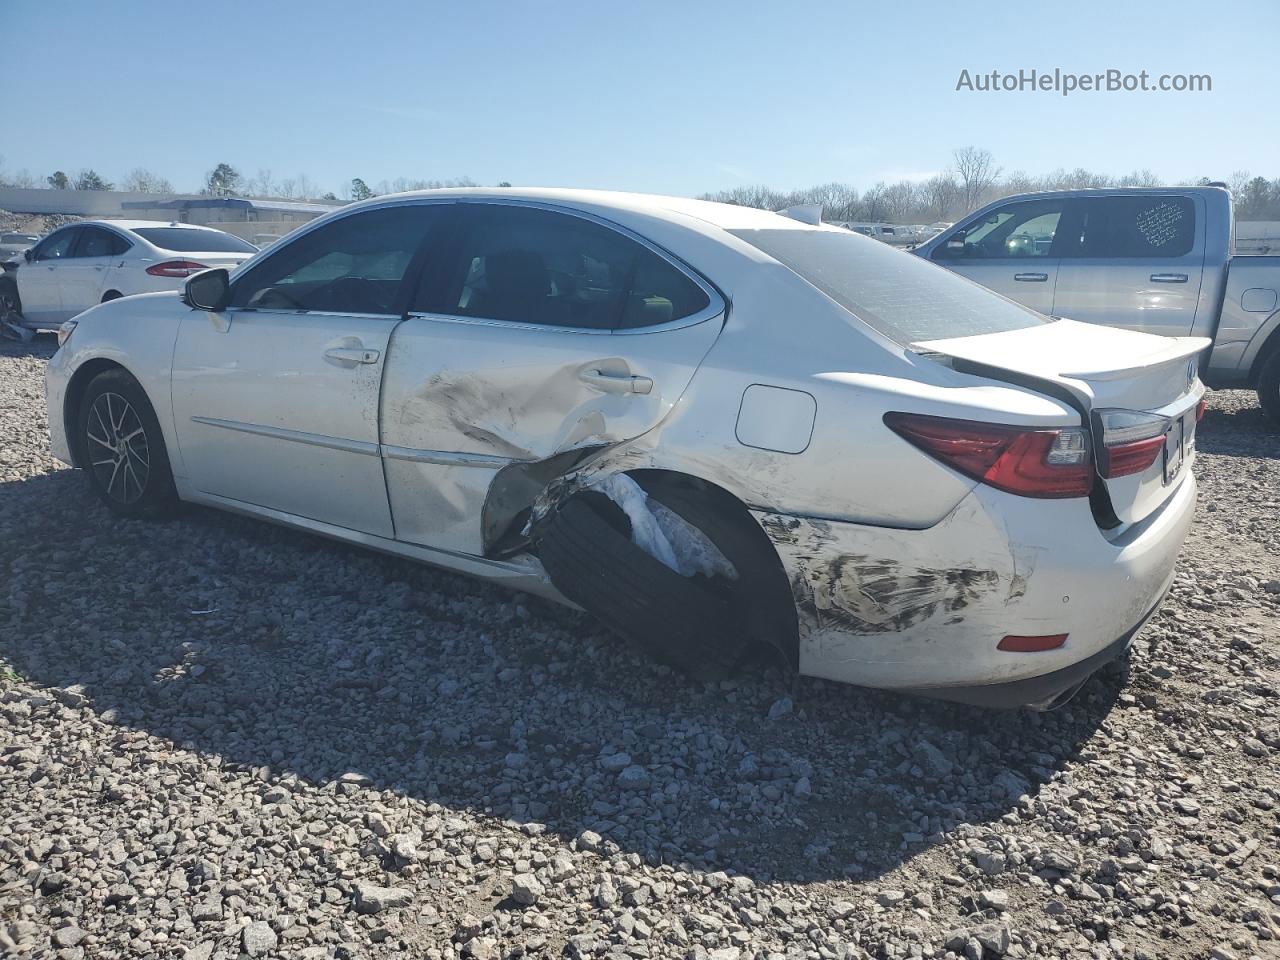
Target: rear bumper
(923, 611)
(1047, 689)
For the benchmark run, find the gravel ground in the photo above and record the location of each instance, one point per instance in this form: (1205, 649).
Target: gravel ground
(219, 738)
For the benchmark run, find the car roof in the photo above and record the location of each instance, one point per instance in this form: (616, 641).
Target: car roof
(140, 224)
(727, 216)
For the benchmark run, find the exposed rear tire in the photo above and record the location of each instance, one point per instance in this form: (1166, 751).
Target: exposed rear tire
(122, 449)
(704, 626)
(1269, 386)
(10, 302)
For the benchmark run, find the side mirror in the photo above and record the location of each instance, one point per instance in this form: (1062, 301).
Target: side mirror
(207, 290)
(26, 254)
(956, 241)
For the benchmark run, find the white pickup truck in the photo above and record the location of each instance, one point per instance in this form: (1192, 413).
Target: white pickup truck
(1155, 259)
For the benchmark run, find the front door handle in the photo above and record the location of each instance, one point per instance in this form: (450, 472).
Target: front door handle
(352, 354)
(1168, 278)
(1031, 277)
(616, 382)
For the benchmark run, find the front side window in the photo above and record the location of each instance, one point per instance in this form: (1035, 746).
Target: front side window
(55, 246)
(1138, 226)
(352, 265)
(525, 265)
(1016, 231)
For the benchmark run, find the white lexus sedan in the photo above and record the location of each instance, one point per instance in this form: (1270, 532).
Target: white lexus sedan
(86, 263)
(716, 428)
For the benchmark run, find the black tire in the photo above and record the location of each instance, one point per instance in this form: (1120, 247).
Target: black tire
(111, 295)
(122, 449)
(10, 302)
(1269, 386)
(704, 626)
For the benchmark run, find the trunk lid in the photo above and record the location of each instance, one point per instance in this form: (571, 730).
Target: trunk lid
(1109, 375)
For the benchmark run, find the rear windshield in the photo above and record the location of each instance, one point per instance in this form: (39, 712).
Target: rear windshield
(194, 241)
(899, 294)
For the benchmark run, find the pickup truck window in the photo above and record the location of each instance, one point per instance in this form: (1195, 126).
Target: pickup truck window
(1024, 229)
(902, 296)
(1138, 226)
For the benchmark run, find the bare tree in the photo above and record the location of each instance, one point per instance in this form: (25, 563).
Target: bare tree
(976, 171)
(142, 180)
(937, 196)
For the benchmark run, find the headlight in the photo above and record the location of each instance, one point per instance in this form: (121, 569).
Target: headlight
(65, 331)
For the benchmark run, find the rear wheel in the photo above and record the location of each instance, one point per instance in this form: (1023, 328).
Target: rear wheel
(1269, 386)
(122, 449)
(703, 625)
(10, 302)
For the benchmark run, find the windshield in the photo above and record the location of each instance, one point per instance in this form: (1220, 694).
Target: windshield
(897, 293)
(185, 240)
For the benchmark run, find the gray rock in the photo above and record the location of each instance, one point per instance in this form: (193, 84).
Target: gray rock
(370, 898)
(526, 889)
(258, 939)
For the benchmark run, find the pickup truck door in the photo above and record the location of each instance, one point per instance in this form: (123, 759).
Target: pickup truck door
(541, 333)
(1011, 250)
(40, 278)
(1138, 263)
(81, 276)
(275, 400)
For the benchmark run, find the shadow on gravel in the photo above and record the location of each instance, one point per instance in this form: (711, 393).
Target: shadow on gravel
(286, 655)
(1241, 432)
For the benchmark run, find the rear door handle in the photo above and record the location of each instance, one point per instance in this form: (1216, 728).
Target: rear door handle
(616, 382)
(1031, 277)
(1168, 278)
(352, 354)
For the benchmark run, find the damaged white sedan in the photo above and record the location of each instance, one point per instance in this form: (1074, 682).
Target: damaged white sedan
(716, 428)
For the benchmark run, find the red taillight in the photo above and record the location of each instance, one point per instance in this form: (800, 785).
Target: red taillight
(1030, 463)
(1200, 408)
(175, 268)
(1131, 440)
(1015, 644)
(1126, 459)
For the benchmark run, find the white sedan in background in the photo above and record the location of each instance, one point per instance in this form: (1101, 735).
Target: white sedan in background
(715, 428)
(92, 261)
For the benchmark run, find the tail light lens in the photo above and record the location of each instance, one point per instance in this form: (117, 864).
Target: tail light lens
(175, 268)
(1200, 408)
(1130, 441)
(1031, 463)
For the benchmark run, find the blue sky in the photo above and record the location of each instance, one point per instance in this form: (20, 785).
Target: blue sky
(672, 97)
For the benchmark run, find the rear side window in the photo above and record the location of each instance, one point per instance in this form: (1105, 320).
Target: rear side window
(1138, 226)
(525, 265)
(96, 242)
(352, 265)
(901, 295)
(185, 240)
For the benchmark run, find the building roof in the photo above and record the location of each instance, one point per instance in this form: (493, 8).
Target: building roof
(231, 203)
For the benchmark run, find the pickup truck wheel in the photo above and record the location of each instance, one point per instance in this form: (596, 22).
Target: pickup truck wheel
(122, 449)
(1269, 386)
(703, 626)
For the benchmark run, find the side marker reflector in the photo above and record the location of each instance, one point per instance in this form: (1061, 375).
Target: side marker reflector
(1012, 644)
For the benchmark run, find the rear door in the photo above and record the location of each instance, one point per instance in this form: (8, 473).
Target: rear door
(40, 278)
(276, 400)
(1011, 250)
(1138, 263)
(536, 332)
(82, 277)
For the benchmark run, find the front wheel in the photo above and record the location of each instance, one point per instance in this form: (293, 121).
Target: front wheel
(122, 449)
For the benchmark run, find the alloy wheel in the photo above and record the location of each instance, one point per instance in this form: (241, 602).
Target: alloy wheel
(119, 454)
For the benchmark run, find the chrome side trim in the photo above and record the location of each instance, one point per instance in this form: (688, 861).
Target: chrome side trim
(445, 458)
(295, 436)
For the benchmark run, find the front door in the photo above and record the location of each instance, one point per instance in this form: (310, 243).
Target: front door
(1010, 250)
(276, 399)
(40, 278)
(537, 332)
(1139, 264)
